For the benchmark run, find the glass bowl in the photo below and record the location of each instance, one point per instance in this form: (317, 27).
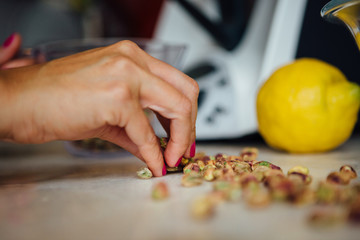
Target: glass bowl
(167, 52)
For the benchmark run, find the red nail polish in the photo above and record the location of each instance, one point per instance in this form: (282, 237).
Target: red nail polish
(9, 40)
(192, 150)
(178, 162)
(164, 171)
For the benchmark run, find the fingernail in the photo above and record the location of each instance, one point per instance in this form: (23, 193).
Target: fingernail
(178, 162)
(192, 150)
(9, 40)
(164, 170)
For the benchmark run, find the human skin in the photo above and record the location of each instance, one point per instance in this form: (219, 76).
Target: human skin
(9, 50)
(100, 93)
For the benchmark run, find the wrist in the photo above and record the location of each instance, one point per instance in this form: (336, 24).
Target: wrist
(15, 103)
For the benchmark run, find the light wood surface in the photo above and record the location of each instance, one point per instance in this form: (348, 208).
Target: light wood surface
(45, 193)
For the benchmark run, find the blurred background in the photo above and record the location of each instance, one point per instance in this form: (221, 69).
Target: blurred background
(40, 21)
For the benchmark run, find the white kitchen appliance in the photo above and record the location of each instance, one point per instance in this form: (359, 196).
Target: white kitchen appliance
(229, 74)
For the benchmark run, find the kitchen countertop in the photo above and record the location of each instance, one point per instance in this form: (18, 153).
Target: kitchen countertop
(45, 193)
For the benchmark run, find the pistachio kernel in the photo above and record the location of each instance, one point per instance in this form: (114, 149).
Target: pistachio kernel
(257, 197)
(249, 153)
(185, 161)
(144, 173)
(305, 178)
(338, 178)
(326, 193)
(218, 173)
(163, 142)
(248, 178)
(209, 174)
(348, 170)
(209, 166)
(299, 169)
(160, 191)
(174, 169)
(241, 167)
(210, 162)
(265, 164)
(191, 167)
(191, 179)
(201, 164)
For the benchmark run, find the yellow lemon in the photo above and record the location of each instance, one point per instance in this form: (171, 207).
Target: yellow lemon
(307, 106)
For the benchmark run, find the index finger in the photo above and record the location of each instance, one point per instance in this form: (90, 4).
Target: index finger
(170, 103)
(185, 85)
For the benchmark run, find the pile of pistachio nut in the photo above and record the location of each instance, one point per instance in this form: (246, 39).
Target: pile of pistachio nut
(258, 183)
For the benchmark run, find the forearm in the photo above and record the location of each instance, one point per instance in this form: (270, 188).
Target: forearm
(5, 106)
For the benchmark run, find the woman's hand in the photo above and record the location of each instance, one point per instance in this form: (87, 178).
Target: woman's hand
(102, 93)
(8, 51)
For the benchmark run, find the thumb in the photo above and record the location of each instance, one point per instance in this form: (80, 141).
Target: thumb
(9, 48)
